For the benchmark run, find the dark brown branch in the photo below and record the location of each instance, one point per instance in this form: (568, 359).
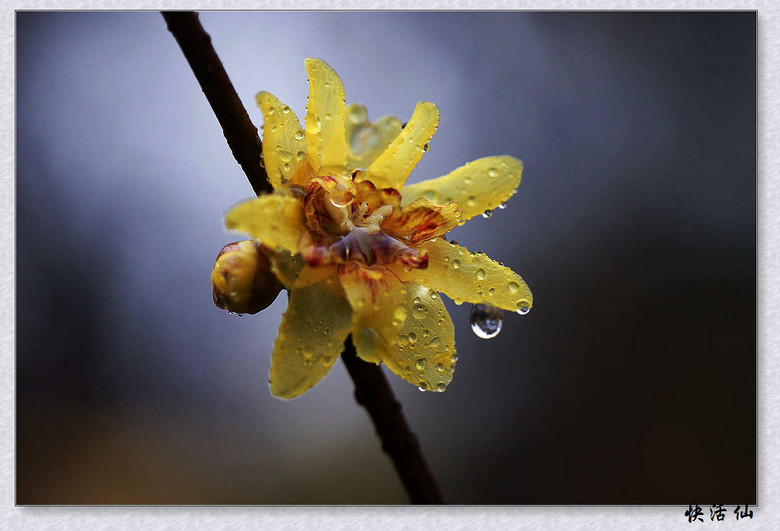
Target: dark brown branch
(371, 388)
(240, 133)
(373, 392)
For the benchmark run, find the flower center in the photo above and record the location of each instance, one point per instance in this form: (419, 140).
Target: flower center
(345, 225)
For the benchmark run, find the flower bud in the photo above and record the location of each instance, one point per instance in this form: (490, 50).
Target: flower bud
(242, 280)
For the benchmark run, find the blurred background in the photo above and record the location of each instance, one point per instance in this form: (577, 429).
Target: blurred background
(632, 380)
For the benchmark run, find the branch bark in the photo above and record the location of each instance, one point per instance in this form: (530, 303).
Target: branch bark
(372, 390)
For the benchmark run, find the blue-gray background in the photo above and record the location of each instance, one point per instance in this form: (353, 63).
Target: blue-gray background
(632, 381)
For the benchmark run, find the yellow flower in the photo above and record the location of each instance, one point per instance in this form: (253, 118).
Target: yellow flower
(360, 252)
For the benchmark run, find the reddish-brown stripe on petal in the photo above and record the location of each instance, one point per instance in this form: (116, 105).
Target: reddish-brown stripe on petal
(422, 220)
(367, 192)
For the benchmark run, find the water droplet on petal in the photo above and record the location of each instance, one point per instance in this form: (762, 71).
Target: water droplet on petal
(456, 264)
(487, 213)
(502, 206)
(441, 386)
(486, 321)
(425, 148)
(514, 287)
(420, 364)
(299, 135)
(480, 274)
(423, 386)
(492, 172)
(523, 308)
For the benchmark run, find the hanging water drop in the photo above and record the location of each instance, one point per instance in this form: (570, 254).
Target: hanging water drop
(502, 206)
(486, 321)
(487, 213)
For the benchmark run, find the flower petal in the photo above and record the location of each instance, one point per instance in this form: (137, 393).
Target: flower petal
(377, 299)
(469, 277)
(287, 267)
(276, 220)
(367, 141)
(422, 220)
(311, 275)
(396, 163)
(478, 186)
(424, 350)
(284, 145)
(327, 145)
(311, 337)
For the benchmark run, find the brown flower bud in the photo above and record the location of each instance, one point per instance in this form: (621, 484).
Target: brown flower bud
(242, 280)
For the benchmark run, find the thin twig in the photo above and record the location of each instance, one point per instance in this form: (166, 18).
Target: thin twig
(373, 392)
(240, 133)
(371, 388)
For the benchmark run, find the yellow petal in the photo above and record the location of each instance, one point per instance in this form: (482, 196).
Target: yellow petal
(478, 186)
(377, 299)
(469, 277)
(424, 350)
(311, 275)
(284, 144)
(396, 163)
(286, 266)
(422, 221)
(276, 220)
(327, 145)
(367, 141)
(311, 337)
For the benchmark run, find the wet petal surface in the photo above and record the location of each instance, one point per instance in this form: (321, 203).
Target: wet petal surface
(311, 338)
(470, 277)
(396, 163)
(481, 185)
(325, 139)
(423, 352)
(276, 220)
(378, 299)
(284, 145)
(286, 267)
(367, 141)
